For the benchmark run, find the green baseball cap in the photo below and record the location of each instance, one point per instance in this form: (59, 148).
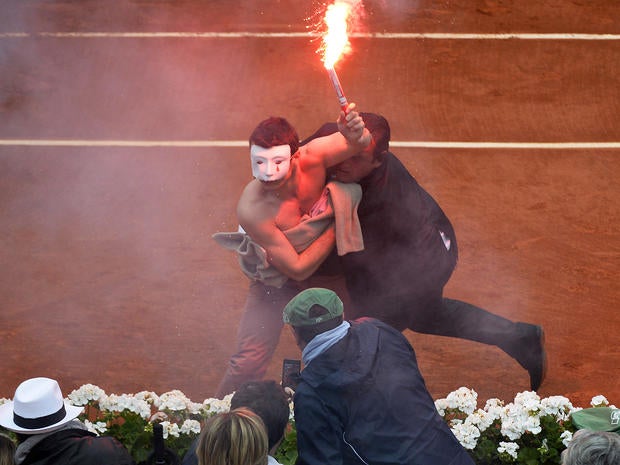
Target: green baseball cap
(297, 311)
(597, 419)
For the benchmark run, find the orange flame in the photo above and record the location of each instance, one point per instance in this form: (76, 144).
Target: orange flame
(336, 40)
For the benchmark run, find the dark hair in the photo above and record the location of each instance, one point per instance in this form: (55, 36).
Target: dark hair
(307, 333)
(269, 401)
(273, 131)
(380, 130)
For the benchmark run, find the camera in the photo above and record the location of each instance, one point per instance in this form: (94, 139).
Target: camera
(291, 372)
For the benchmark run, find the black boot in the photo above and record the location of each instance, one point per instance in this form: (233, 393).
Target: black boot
(522, 341)
(529, 351)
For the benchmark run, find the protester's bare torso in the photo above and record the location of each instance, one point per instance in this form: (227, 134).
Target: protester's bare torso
(286, 205)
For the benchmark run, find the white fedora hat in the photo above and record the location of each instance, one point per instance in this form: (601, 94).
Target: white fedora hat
(37, 407)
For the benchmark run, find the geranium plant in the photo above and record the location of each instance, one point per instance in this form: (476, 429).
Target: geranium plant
(529, 430)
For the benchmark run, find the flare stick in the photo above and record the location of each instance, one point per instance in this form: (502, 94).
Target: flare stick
(339, 92)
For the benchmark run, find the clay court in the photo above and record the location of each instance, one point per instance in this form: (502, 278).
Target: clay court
(123, 136)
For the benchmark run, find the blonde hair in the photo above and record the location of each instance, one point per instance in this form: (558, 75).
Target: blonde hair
(238, 437)
(7, 450)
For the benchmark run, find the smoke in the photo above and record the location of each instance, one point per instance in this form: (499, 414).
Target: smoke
(108, 259)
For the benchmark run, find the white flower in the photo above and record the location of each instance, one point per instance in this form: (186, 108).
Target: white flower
(482, 419)
(212, 406)
(173, 400)
(494, 407)
(511, 428)
(98, 428)
(116, 403)
(190, 426)
(441, 405)
(291, 409)
(466, 433)
(170, 429)
(463, 399)
(194, 407)
(528, 400)
(599, 401)
(85, 394)
(521, 416)
(510, 448)
(566, 437)
(90, 427)
(558, 406)
(148, 397)
(4, 400)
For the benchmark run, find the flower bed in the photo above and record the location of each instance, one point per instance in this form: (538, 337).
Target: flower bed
(528, 430)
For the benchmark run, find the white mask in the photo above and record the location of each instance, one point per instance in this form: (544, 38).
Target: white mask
(270, 164)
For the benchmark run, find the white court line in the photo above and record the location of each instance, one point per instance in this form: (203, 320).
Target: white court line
(214, 143)
(122, 143)
(244, 144)
(375, 35)
(509, 145)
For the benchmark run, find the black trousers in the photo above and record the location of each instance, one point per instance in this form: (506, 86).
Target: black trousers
(431, 313)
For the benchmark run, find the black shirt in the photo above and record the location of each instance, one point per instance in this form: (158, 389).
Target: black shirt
(404, 256)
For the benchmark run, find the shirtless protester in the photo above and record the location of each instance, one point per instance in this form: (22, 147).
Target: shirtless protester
(289, 180)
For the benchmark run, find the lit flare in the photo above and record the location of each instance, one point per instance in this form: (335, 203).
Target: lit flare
(335, 43)
(336, 40)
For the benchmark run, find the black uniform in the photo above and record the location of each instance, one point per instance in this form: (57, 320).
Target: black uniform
(410, 252)
(405, 263)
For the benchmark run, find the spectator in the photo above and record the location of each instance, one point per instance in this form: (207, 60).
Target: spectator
(234, 438)
(269, 401)
(7, 450)
(49, 433)
(592, 448)
(361, 398)
(410, 252)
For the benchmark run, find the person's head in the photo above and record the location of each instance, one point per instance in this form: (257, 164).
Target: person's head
(37, 407)
(360, 165)
(272, 143)
(237, 437)
(7, 450)
(312, 312)
(269, 401)
(381, 133)
(592, 448)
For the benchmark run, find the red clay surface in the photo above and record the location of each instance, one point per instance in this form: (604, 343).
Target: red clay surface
(109, 273)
